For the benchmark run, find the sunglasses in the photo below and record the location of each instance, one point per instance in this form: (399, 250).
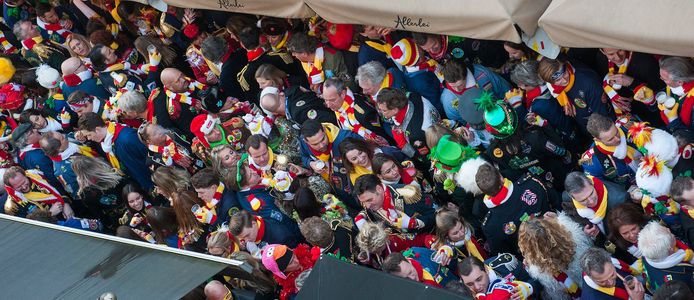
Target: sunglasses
(559, 73)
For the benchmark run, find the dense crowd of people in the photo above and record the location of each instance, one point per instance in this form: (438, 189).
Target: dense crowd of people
(471, 165)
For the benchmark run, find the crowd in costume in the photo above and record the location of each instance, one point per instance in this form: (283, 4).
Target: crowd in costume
(476, 166)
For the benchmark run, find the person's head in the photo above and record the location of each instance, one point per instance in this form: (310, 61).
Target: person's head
(15, 178)
(398, 265)
(314, 136)
(53, 143)
(272, 101)
(554, 71)
(214, 48)
(78, 45)
(244, 226)
(581, 189)
(81, 103)
(94, 173)
(516, 51)
(624, 222)
(455, 74)
(673, 290)
(546, 244)
(169, 181)
(205, 183)
(133, 104)
(616, 56)
(256, 146)
(268, 75)
(603, 129)
(73, 65)
(163, 222)
(241, 175)
(280, 260)
(46, 13)
(37, 118)
(369, 191)
(450, 227)
(317, 232)
(386, 167)
(302, 46)
(436, 131)
(142, 43)
(249, 37)
(370, 76)
(334, 92)
(675, 71)
(489, 179)
(102, 56)
(25, 134)
(524, 74)
(223, 156)
(372, 238)
(474, 275)
(369, 31)
(221, 243)
(430, 43)
(93, 127)
(152, 134)
(174, 80)
(390, 102)
(42, 215)
(356, 152)
(305, 203)
(25, 30)
(656, 242)
(682, 190)
(274, 29)
(597, 264)
(135, 196)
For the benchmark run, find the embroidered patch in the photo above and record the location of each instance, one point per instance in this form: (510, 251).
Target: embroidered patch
(498, 153)
(529, 197)
(457, 53)
(454, 104)
(300, 103)
(509, 228)
(580, 103)
(312, 114)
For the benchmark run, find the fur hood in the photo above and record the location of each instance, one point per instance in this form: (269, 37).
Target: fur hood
(465, 178)
(552, 288)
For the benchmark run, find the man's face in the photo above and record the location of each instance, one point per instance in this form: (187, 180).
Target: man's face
(371, 32)
(458, 86)
(63, 140)
(274, 39)
(156, 137)
(97, 135)
(303, 56)
(206, 194)
(688, 197)
(616, 56)
(252, 178)
(293, 265)
(50, 17)
(249, 234)
(30, 30)
(214, 136)
(20, 183)
(607, 278)
(564, 79)
(587, 196)
(387, 112)
(109, 54)
(610, 137)
(318, 142)
(33, 136)
(333, 98)
(372, 200)
(433, 45)
(477, 281)
(87, 107)
(368, 87)
(261, 155)
(180, 83)
(514, 53)
(390, 172)
(407, 271)
(665, 76)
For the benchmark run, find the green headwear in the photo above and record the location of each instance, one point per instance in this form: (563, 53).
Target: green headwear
(448, 155)
(499, 118)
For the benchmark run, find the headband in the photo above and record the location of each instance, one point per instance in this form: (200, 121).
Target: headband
(239, 164)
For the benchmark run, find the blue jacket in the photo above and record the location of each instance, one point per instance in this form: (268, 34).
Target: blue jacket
(132, 155)
(259, 202)
(427, 85)
(90, 86)
(64, 173)
(442, 274)
(285, 232)
(586, 95)
(36, 159)
(608, 168)
(486, 80)
(226, 207)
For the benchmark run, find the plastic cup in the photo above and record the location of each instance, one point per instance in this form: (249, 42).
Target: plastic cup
(151, 49)
(669, 103)
(629, 282)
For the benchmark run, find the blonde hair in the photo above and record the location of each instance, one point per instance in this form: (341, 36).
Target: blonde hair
(216, 157)
(272, 73)
(94, 172)
(372, 237)
(445, 221)
(222, 238)
(546, 244)
(170, 181)
(76, 37)
(436, 131)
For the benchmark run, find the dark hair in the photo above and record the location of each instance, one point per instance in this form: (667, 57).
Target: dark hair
(78, 96)
(254, 141)
(24, 116)
(249, 37)
(488, 179)
(598, 124)
(42, 8)
(624, 214)
(301, 42)
(350, 144)
(49, 144)
(214, 48)
(239, 221)
(454, 70)
(98, 60)
(679, 186)
(379, 160)
(392, 263)
(311, 128)
(575, 182)
(465, 267)
(205, 178)
(306, 204)
(127, 232)
(420, 38)
(163, 222)
(133, 188)
(529, 53)
(317, 232)
(93, 25)
(42, 215)
(392, 98)
(273, 26)
(365, 183)
(90, 121)
(673, 290)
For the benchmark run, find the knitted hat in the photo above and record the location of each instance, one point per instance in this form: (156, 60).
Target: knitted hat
(405, 52)
(276, 258)
(6, 70)
(499, 118)
(21, 130)
(47, 76)
(339, 36)
(203, 125)
(448, 155)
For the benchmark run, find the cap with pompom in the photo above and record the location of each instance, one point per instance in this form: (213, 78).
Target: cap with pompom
(405, 52)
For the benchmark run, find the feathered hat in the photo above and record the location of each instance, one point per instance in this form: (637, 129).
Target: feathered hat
(499, 118)
(47, 76)
(654, 141)
(653, 176)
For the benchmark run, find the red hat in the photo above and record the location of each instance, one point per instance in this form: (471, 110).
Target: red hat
(340, 35)
(203, 125)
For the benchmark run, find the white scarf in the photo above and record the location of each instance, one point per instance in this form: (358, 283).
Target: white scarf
(51, 125)
(635, 251)
(620, 152)
(107, 143)
(679, 91)
(670, 261)
(71, 149)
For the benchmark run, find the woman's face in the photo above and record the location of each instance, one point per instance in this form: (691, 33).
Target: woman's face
(457, 233)
(514, 53)
(135, 201)
(390, 171)
(358, 158)
(264, 82)
(109, 54)
(228, 157)
(38, 121)
(630, 232)
(79, 47)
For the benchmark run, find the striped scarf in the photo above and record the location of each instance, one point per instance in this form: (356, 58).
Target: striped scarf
(53, 28)
(40, 194)
(349, 121)
(29, 44)
(501, 197)
(399, 133)
(615, 291)
(174, 100)
(611, 89)
(423, 275)
(559, 92)
(622, 151)
(112, 131)
(26, 149)
(207, 214)
(532, 94)
(7, 47)
(570, 286)
(687, 211)
(398, 219)
(594, 214)
(169, 152)
(71, 149)
(314, 70)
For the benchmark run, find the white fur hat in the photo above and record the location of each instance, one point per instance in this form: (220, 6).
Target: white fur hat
(656, 142)
(465, 178)
(653, 176)
(47, 76)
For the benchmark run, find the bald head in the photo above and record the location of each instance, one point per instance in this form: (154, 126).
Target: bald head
(70, 65)
(174, 80)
